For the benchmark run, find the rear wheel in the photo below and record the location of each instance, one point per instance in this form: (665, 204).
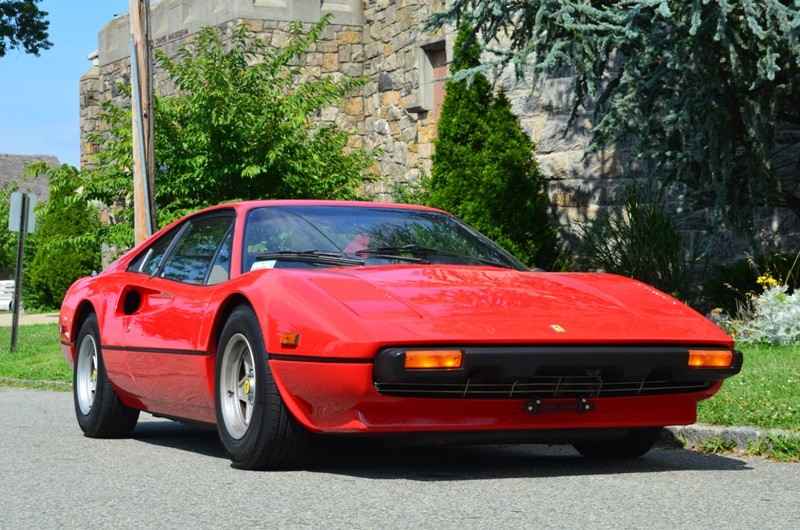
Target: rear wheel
(635, 444)
(100, 412)
(256, 429)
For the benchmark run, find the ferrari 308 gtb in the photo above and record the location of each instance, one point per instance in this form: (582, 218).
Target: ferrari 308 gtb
(274, 320)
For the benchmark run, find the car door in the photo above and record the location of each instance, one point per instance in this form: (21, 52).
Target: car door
(164, 315)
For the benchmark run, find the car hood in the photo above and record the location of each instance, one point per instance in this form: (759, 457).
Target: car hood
(490, 305)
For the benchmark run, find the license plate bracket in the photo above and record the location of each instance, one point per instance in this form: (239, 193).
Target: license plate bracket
(541, 406)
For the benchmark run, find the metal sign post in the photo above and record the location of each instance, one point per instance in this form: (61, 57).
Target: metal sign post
(22, 220)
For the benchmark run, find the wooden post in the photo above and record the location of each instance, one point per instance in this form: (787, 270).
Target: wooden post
(142, 122)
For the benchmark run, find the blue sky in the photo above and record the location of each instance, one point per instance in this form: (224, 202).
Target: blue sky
(39, 107)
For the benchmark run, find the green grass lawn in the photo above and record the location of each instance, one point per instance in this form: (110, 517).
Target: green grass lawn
(766, 394)
(37, 362)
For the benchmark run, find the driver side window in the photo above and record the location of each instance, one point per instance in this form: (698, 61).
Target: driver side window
(197, 252)
(193, 255)
(147, 262)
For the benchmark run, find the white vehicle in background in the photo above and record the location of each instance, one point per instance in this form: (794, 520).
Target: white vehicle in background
(6, 295)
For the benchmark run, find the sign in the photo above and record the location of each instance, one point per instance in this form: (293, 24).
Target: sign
(15, 214)
(22, 220)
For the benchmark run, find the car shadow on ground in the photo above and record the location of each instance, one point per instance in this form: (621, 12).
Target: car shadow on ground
(372, 459)
(367, 459)
(177, 435)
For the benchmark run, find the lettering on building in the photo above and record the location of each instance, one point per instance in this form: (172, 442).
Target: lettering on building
(172, 36)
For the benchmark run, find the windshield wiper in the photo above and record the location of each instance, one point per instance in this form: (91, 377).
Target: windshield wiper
(391, 254)
(311, 256)
(420, 249)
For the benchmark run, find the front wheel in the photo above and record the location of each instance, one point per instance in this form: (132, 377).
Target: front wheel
(637, 442)
(256, 429)
(100, 412)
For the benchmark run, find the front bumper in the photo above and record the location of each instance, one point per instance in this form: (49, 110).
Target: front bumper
(362, 397)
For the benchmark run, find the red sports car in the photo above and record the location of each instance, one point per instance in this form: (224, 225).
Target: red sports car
(273, 320)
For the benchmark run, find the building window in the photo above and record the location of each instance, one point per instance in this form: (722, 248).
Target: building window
(433, 75)
(438, 60)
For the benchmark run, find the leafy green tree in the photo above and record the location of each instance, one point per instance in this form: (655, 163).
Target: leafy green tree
(240, 126)
(23, 24)
(704, 88)
(66, 245)
(484, 170)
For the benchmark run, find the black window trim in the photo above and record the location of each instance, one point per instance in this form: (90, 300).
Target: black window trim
(228, 232)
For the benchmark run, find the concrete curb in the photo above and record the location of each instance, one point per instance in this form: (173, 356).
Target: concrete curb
(36, 384)
(695, 435)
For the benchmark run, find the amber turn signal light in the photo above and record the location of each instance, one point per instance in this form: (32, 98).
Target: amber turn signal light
(290, 340)
(441, 359)
(710, 358)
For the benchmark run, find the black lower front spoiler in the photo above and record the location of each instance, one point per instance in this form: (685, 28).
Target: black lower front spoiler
(513, 363)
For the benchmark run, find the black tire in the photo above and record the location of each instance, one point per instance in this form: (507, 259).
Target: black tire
(256, 429)
(635, 444)
(100, 412)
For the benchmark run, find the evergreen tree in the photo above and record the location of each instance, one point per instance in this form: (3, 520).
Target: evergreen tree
(484, 170)
(704, 88)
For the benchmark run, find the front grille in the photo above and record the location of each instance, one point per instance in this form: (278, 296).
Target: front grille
(542, 387)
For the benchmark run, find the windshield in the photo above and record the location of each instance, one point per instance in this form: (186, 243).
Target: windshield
(371, 236)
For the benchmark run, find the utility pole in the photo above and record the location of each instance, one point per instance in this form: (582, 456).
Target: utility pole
(143, 130)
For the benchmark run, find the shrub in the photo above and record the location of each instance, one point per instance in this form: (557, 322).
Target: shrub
(641, 241)
(239, 126)
(773, 317)
(484, 170)
(730, 285)
(8, 239)
(65, 245)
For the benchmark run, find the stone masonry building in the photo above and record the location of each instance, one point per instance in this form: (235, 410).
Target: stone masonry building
(397, 109)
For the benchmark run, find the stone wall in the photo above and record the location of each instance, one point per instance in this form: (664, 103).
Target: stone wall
(397, 118)
(582, 186)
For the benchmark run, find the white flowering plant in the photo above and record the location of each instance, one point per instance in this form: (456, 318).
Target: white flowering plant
(772, 317)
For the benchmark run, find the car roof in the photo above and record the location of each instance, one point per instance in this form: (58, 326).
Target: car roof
(247, 205)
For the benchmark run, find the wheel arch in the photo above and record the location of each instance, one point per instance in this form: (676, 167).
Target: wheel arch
(82, 312)
(225, 309)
